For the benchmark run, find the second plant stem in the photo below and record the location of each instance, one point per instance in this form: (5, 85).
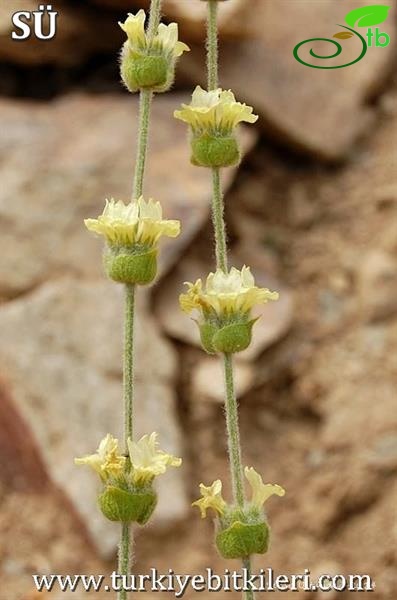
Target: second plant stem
(231, 408)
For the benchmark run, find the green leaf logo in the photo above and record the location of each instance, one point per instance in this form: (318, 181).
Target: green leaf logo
(367, 16)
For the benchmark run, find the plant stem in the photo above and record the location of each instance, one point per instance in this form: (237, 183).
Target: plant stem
(154, 19)
(145, 102)
(128, 371)
(231, 409)
(124, 556)
(212, 44)
(218, 220)
(249, 594)
(128, 394)
(233, 433)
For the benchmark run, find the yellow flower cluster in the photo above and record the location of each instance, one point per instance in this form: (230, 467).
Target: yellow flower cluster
(136, 223)
(225, 294)
(107, 462)
(214, 112)
(165, 41)
(260, 492)
(147, 461)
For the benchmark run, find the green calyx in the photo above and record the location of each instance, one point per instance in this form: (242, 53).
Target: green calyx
(140, 72)
(242, 533)
(127, 506)
(132, 266)
(215, 151)
(228, 338)
(242, 539)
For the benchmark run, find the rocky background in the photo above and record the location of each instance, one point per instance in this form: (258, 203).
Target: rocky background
(313, 209)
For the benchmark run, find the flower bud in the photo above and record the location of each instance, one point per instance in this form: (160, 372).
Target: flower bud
(215, 151)
(207, 333)
(144, 72)
(241, 539)
(148, 61)
(224, 306)
(131, 268)
(213, 117)
(132, 232)
(235, 337)
(126, 506)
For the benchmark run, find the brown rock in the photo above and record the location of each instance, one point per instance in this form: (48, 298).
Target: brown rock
(191, 16)
(320, 112)
(61, 354)
(208, 379)
(377, 283)
(61, 160)
(81, 32)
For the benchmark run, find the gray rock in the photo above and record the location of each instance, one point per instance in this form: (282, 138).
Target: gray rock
(61, 357)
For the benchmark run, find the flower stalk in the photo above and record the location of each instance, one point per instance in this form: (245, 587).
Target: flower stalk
(223, 305)
(145, 102)
(231, 408)
(131, 233)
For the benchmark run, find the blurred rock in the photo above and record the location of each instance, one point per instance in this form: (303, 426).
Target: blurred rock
(81, 32)
(330, 568)
(61, 355)
(377, 283)
(320, 112)
(21, 466)
(92, 29)
(208, 379)
(191, 16)
(60, 161)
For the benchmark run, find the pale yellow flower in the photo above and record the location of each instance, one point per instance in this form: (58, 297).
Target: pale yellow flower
(211, 498)
(107, 462)
(165, 41)
(214, 112)
(225, 294)
(136, 223)
(134, 27)
(147, 461)
(260, 491)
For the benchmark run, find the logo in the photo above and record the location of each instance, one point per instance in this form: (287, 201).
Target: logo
(43, 23)
(367, 16)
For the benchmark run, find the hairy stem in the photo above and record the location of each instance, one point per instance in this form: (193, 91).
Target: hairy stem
(212, 44)
(154, 19)
(233, 433)
(128, 371)
(249, 594)
(218, 220)
(231, 409)
(124, 556)
(145, 103)
(128, 394)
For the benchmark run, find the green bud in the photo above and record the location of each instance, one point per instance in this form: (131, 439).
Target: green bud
(215, 151)
(229, 339)
(240, 540)
(146, 72)
(207, 333)
(132, 267)
(127, 507)
(233, 338)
